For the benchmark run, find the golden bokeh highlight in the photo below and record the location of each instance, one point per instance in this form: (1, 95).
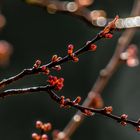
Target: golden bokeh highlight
(52, 8)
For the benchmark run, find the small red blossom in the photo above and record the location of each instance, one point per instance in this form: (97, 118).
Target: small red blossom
(56, 82)
(35, 136)
(77, 100)
(62, 101)
(92, 47)
(138, 128)
(39, 124)
(124, 119)
(71, 54)
(109, 35)
(47, 127)
(37, 64)
(44, 137)
(108, 110)
(44, 127)
(70, 49)
(45, 70)
(75, 59)
(55, 58)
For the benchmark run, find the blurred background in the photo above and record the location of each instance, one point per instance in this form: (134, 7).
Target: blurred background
(31, 33)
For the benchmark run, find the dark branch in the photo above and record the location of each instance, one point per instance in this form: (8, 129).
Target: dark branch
(68, 103)
(31, 71)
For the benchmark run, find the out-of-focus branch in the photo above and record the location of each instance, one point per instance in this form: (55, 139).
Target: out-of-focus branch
(103, 77)
(79, 9)
(76, 8)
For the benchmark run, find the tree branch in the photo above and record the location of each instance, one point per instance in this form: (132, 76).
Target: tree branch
(66, 103)
(89, 46)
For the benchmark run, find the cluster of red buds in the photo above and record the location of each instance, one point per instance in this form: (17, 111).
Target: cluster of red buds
(124, 119)
(71, 54)
(55, 58)
(107, 32)
(45, 70)
(108, 110)
(44, 127)
(55, 82)
(92, 47)
(37, 64)
(64, 101)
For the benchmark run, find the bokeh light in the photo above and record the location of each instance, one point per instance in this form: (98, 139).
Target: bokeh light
(71, 6)
(2, 21)
(128, 22)
(5, 53)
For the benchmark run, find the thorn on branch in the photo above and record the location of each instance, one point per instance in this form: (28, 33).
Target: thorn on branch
(43, 127)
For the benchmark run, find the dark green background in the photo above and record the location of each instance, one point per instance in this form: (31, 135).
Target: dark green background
(35, 34)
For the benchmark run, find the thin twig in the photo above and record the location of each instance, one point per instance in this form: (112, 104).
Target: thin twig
(84, 110)
(68, 103)
(105, 33)
(23, 91)
(31, 71)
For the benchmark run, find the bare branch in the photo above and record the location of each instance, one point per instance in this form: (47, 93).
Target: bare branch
(105, 33)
